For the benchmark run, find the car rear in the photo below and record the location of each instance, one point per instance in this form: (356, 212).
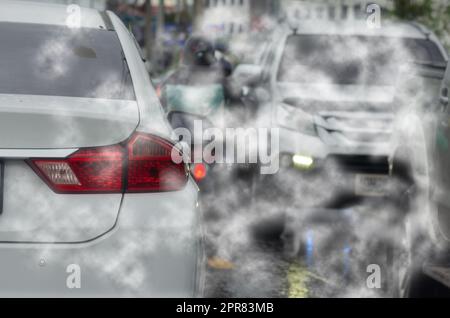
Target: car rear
(92, 203)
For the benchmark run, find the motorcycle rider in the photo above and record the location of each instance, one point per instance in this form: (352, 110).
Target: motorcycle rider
(200, 67)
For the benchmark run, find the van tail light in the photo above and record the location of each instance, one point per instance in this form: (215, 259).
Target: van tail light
(144, 164)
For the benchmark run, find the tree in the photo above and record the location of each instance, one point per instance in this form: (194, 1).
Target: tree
(433, 14)
(412, 10)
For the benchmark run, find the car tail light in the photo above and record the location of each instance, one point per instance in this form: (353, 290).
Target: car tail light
(150, 165)
(199, 171)
(144, 164)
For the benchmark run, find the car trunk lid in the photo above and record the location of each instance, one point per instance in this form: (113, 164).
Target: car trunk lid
(55, 127)
(36, 122)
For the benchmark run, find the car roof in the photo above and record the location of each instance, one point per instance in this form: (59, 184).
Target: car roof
(46, 13)
(388, 28)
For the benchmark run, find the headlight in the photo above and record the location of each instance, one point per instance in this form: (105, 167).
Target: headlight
(302, 162)
(298, 161)
(295, 118)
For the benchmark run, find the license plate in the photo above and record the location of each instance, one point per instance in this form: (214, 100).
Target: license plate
(371, 185)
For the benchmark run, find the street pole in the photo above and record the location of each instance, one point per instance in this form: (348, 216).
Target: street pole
(198, 11)
(161, 22)
(148, 30)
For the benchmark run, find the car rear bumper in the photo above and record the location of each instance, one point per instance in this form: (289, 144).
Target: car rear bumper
(154, 250)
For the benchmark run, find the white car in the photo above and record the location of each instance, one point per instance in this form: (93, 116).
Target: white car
(331, 87)
(92, 203)
(334, 89)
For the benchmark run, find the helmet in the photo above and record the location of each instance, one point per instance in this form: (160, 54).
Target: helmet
(199, 51)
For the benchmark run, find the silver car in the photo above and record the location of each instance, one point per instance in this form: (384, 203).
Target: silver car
(334, 90)
(91, 202)
(331, 88)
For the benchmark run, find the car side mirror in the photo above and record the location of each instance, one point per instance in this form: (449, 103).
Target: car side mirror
(247, 75)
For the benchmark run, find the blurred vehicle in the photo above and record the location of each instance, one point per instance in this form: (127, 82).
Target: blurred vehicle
(92, 203)
(420, 162)
(199, 97)
(199, 92)
(330, 88)
(195, 93)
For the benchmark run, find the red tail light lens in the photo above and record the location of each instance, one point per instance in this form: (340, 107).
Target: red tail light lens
(87, 170)
(150, 165)
(143, 165)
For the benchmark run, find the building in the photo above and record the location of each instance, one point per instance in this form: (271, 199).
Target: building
(236, 16)
(225, 16)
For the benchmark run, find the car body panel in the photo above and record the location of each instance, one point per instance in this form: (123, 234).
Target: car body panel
(336, 93)
(441, 164)
(46, 216)
(49, 122)
(151, 113)
(422, 116)
(151, 251)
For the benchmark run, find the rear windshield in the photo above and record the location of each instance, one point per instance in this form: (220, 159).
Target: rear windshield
(347, 60)
(58, 61)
